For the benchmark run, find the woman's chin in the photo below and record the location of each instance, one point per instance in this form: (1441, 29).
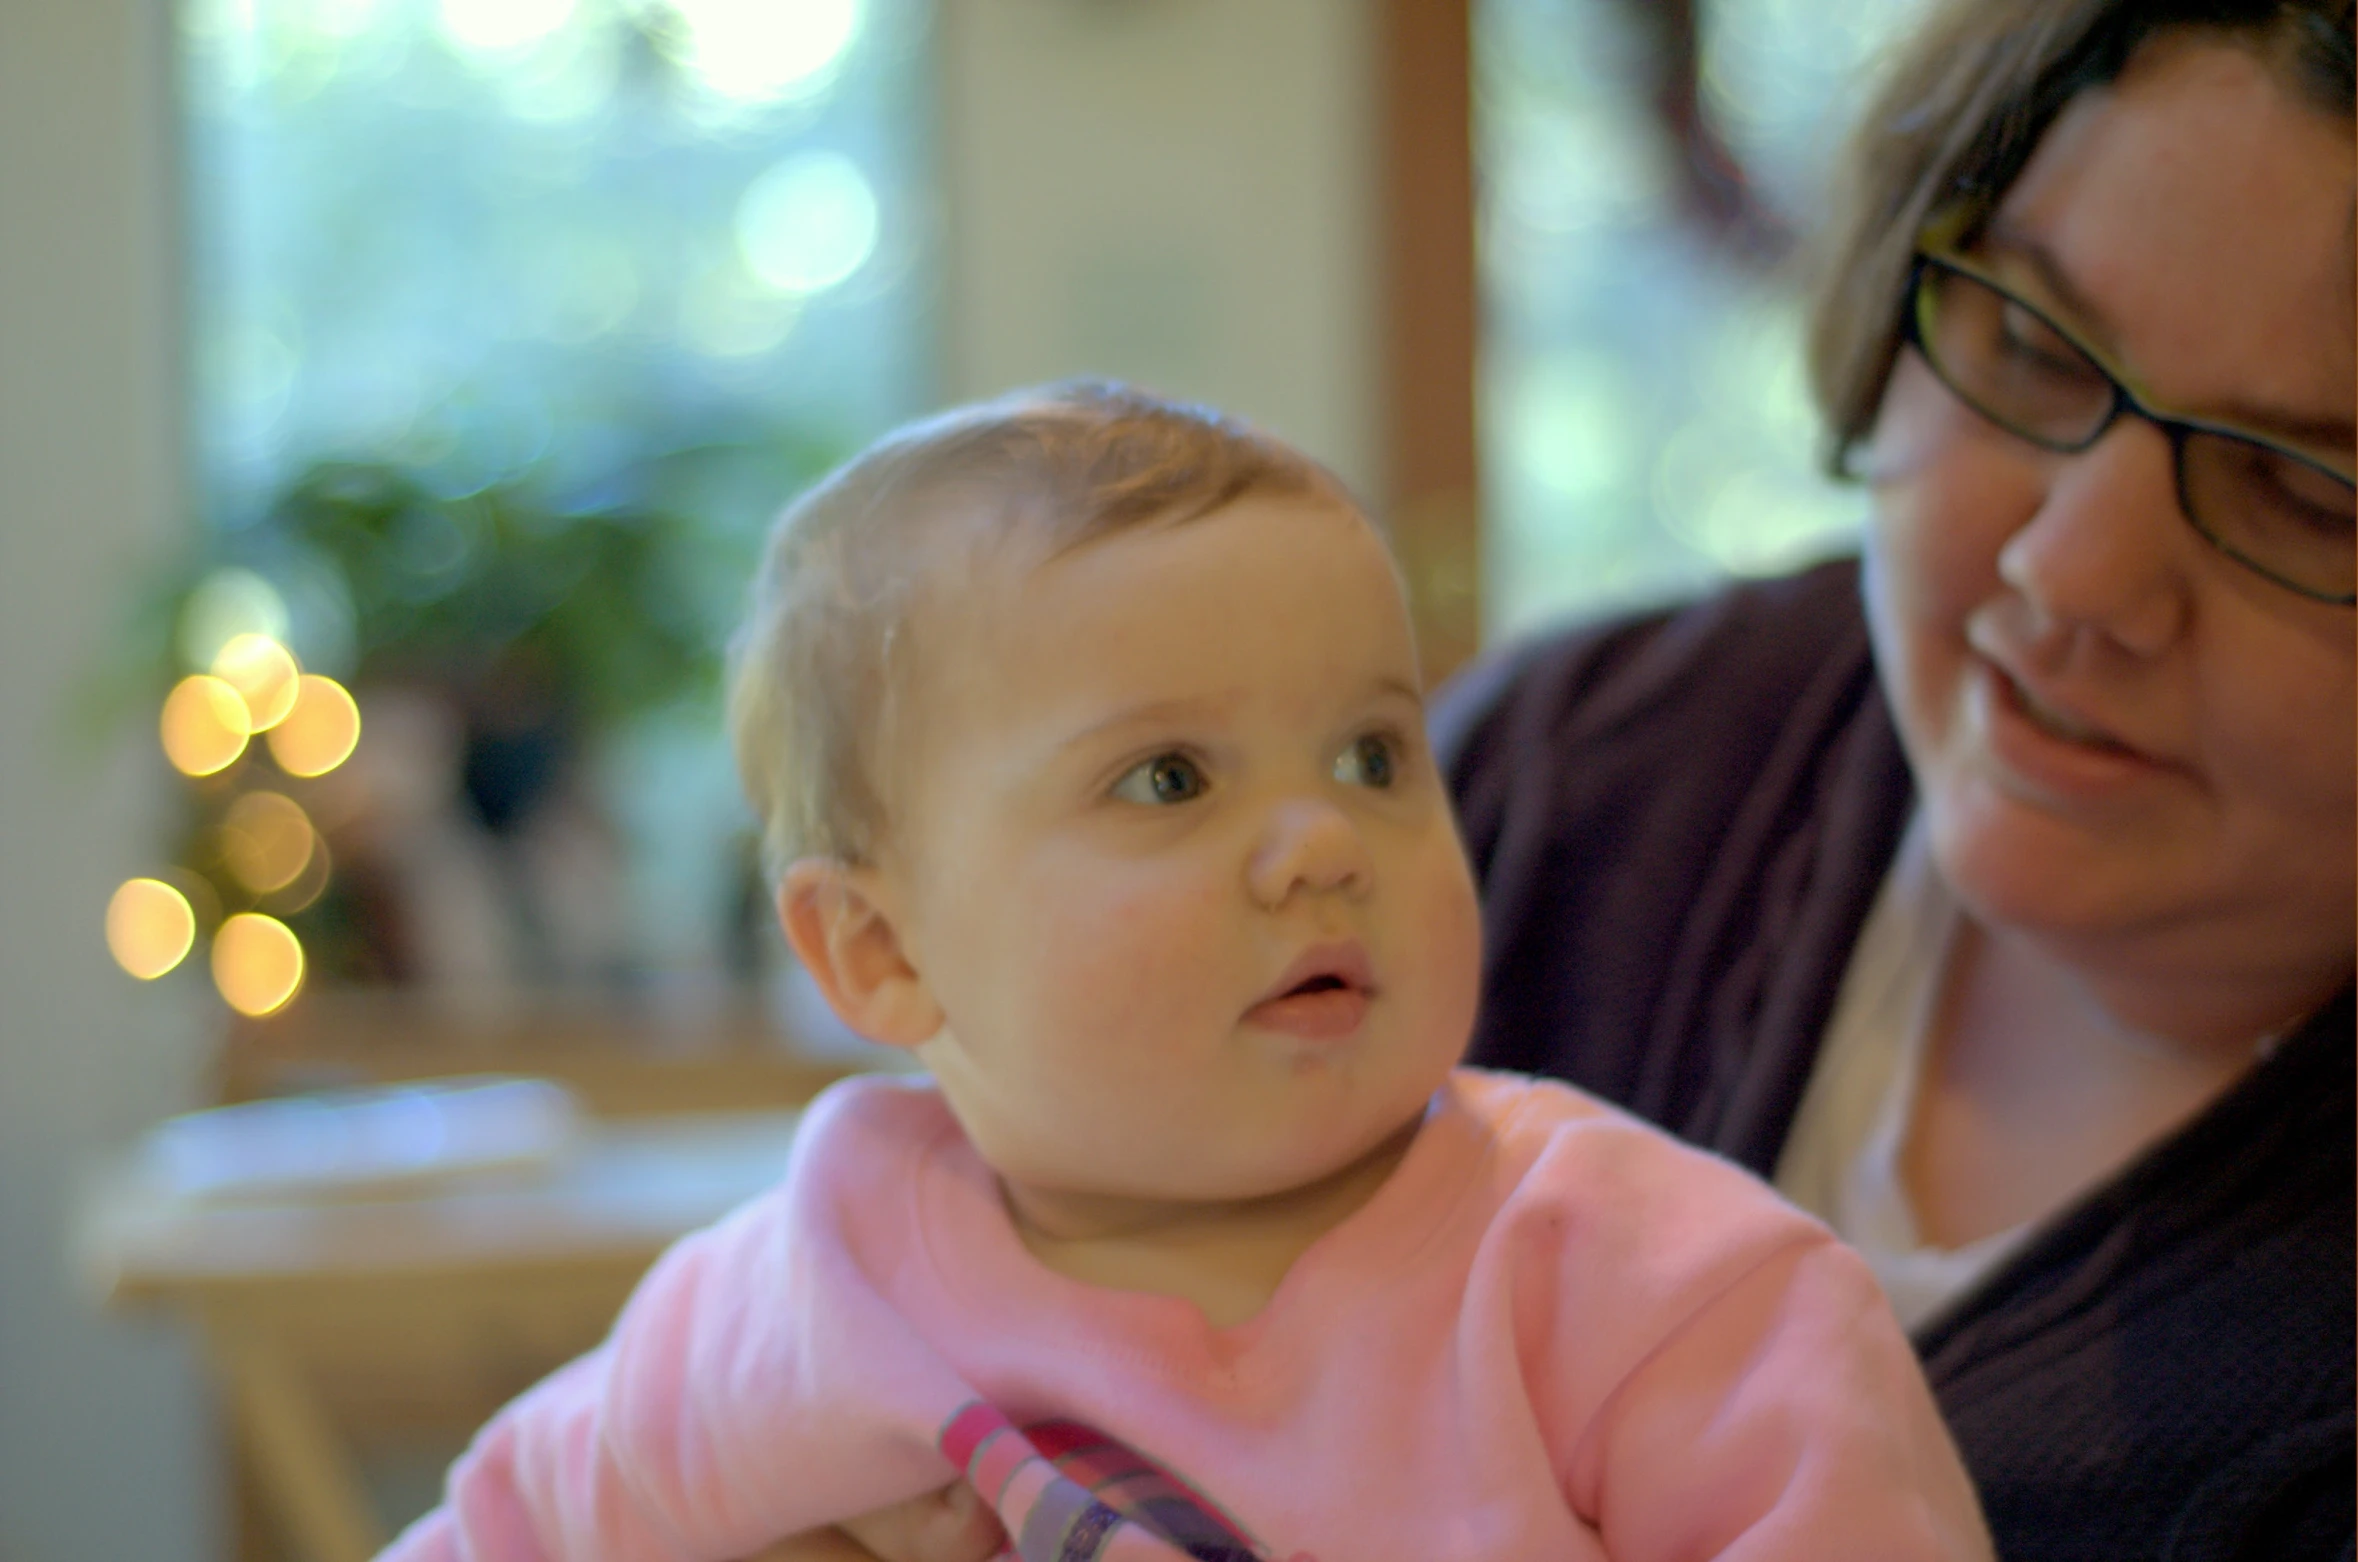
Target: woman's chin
(2017, 866)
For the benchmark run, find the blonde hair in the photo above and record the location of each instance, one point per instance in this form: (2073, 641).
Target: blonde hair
(813, 671)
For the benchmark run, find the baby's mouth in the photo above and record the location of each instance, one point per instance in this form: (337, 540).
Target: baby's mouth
(1323, 996)
(1314, 1012)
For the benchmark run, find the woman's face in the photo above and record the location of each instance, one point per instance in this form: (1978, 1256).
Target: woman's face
(2129, 746)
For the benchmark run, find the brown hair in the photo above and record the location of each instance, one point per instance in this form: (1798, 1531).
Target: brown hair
(1956, 118)
(813, 670)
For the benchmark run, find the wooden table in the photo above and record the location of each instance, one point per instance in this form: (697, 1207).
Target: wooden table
(332, 1323)
(623, 1058)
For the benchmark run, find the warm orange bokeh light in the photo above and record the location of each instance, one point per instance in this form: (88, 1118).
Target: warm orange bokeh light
(204, 725)
(306, 889)
(267, 840)
(149, 927)
(257, 963)
(263, 672)
(319, 733)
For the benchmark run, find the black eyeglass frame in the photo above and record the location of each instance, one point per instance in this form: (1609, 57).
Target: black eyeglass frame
(2124, 400)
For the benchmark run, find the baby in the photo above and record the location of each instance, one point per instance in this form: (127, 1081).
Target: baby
(1087, 734)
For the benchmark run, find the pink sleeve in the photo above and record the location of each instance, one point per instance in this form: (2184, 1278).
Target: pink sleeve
(1784, 1417)
(575, 1467)
(1720, 1377)
(759, 1383)
(540, 1483)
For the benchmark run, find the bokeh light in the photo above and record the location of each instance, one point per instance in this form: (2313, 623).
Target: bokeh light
(216, 19)
(730, 315)
(1648, 429)
(569, 75)
(263, 672)
(808, 223)
(499, 26)
(342, 18)
(319, 733)
(225, 604)
(149, 927)
(204, 725)
(756, 50)
(267, 840)
(307, 887)
(257, 963)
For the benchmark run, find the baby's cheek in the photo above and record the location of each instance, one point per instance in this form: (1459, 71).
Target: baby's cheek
(1453, 935)
(1132, 952)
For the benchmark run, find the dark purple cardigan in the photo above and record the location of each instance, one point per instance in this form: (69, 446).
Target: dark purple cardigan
(1679, 823)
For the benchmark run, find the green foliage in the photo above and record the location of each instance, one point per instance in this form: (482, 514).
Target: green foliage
(598, 606)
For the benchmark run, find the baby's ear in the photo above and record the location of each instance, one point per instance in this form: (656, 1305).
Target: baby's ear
(838, 919)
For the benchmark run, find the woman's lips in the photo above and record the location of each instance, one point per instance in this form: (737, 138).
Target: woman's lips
(2055, 751)
(2058, 723)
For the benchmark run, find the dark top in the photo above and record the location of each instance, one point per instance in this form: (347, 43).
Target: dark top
(1679, 823)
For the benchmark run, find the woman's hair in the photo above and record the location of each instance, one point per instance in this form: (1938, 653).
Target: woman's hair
(814, 669)
(1959, 113)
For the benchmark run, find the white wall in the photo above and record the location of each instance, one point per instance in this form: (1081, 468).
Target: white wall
(1175, 191)
(104, 1434)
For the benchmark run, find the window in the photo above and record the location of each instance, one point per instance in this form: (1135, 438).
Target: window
(497, 304)
(1646, 428)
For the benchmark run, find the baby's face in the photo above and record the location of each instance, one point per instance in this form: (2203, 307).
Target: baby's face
(1175, 861)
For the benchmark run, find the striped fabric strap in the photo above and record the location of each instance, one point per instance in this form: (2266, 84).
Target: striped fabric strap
(1049, 1516)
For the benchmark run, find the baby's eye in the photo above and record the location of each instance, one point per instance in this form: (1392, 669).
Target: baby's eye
(1372, 760)
(1166, 778)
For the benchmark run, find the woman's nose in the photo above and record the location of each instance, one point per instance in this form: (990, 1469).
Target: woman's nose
(1308, 846)
(2107, 552)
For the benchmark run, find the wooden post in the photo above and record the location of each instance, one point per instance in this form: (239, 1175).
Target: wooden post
(1427, 293)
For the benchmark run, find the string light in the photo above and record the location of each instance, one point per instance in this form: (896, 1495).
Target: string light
(319, 731)
(264, 673)
(257, 963)
(307, 887)
(267, 840)
(149, 927)
(204, 725)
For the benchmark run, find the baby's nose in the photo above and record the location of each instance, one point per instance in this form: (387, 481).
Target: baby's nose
(1308, 846)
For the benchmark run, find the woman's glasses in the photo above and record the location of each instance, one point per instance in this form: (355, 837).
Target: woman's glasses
(2270, 507)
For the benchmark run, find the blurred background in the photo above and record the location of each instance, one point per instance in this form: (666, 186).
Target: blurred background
(392, 397)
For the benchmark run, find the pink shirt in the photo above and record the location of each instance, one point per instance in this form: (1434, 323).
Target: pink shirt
(1553, 1333)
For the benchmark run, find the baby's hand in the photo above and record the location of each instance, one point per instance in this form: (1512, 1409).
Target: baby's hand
(950, 1525)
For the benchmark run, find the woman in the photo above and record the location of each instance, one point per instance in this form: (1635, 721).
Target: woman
(2010, 929)
(2009, 923)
